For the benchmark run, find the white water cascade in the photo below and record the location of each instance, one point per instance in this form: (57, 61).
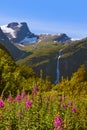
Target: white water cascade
(58, 70)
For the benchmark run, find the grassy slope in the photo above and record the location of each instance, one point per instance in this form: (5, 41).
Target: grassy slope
(44, 56)
(41, 52)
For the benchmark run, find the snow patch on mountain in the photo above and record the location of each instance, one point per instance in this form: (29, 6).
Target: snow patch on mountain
(29, 40)
(8, 30)
(21, 45)
(19, 25)
(74, 39)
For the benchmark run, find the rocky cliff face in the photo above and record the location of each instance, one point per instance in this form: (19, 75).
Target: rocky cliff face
(3, 36)
(18, 33)
(70, 64)
(67, 65)
(63, 38)
(47, 38)
(13, 50)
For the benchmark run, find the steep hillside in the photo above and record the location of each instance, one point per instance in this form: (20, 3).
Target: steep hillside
(44, 56)
(13, 50)
(73, 57)
(12, 76)
(3, 47)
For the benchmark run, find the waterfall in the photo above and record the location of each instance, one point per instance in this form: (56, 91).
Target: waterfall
(58, 70)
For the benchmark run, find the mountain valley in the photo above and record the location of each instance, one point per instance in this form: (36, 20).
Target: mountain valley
(41, 51)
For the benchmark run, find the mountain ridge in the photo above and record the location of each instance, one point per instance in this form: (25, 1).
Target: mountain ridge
(20, 33)
(17, 32)
(12, 49)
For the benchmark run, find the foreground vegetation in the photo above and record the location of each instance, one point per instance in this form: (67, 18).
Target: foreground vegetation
(31, 103)
(63, 108)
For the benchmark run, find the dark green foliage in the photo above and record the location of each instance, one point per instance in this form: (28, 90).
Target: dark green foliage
(12, 77)
(26, 72)
(77, 85)
(15, 77)
(80, 75)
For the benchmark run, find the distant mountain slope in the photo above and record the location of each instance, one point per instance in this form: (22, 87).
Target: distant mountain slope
(13, 50)
(73, 57)
(19, 33)
(44, 57)
(62, 38)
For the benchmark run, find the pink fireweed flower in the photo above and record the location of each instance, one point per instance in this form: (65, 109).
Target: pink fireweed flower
(58, 122)
(2, 103)
(74, 110)
(23, 94)
(70, 103)
(19, 115)
(59, 128)
(35, 90)
(9, 99)
(28, 104)
(64, 106)
(18, 98)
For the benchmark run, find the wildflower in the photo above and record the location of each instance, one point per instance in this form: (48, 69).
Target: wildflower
(58, 123)
(23, 94)
(35, 90)
(19, 115)
(9, 99)
(18, 98)
(1, 103)
(58, 128)
(64, 106)
(28, 104)
(70, 103)
(74, 110)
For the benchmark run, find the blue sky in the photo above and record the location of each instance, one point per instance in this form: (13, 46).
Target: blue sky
(47, 16)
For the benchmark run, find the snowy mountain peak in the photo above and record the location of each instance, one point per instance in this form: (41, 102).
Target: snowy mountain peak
(9, 31)
(20, 33)
(12, 25)
(17, 32)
